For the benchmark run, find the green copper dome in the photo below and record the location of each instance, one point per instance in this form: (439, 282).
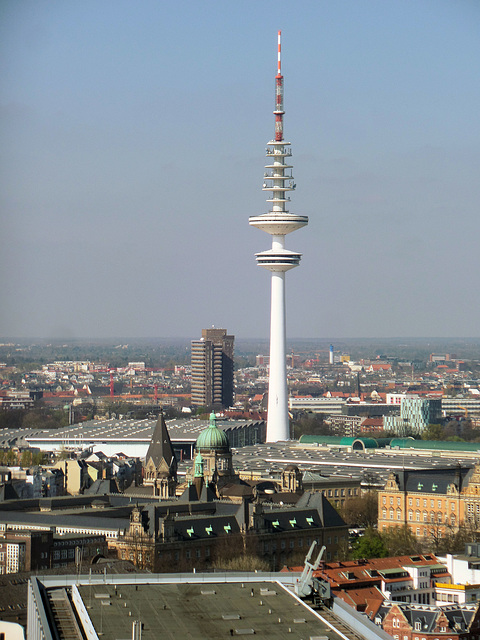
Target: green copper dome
(212, 437)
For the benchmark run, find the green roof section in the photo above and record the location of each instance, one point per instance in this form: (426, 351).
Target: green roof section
(320, 439)
(435, 445)
(400, 443)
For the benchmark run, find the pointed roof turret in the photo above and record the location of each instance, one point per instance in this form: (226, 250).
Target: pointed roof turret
(160, 450)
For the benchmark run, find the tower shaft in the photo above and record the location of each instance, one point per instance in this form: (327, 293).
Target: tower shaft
(277, 417)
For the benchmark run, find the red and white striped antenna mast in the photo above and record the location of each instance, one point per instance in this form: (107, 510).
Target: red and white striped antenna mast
(279, 94)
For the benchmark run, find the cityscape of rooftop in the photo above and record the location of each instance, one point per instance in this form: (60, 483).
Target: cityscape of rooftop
(152, 459)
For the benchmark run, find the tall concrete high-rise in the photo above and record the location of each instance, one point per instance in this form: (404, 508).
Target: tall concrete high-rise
(212, 369)
(278, 179)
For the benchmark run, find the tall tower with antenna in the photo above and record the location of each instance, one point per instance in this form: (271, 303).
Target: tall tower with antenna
(278, 180)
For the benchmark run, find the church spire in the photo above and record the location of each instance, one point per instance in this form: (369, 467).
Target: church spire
(160, 461)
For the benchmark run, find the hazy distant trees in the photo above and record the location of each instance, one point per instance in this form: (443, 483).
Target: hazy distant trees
(454, 430)
(40, 417)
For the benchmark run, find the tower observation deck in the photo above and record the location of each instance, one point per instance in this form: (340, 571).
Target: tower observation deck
(278, 222)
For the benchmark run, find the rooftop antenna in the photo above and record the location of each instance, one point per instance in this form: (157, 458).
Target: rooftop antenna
(304, 586)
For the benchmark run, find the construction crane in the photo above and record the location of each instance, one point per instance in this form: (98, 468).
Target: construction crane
(465, 409)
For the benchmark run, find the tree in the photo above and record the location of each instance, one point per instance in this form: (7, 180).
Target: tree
(310, 424)
(400, 541)
(370, 545)
(361, 511)
(26, 459)
(433, 432)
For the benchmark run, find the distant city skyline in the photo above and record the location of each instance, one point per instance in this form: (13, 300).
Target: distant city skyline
(133, 148)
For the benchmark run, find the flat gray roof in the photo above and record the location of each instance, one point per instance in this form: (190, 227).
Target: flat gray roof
(128, 430)
(199, 611)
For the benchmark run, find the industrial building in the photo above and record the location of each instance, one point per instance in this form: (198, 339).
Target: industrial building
(132, 438)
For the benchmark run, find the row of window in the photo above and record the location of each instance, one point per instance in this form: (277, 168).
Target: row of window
(425, 503)
(419, 517)
(331, 493)
(447, 597)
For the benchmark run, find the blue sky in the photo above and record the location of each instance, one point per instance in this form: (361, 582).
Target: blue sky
(132, 151)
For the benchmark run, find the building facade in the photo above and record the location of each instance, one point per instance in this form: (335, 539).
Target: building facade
(415, 416)
(432, 502)
(212, 369)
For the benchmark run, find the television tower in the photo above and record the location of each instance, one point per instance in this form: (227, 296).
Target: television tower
(278, 179)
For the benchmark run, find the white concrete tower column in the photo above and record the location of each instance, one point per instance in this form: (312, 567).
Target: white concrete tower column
(278, 222)
(277, 421)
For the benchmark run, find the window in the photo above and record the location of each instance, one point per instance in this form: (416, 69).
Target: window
(391, 500)
(391, 514)
(198, 553)
(398, 502)
(418, 502)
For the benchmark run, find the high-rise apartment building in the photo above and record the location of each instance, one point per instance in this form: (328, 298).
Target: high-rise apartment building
(212, 369)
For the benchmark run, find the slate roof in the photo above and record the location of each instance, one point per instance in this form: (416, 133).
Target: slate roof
(424, 618)
(329, 515)
(160, 447)
(103, 487)
(433, 480)
(206, 527)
